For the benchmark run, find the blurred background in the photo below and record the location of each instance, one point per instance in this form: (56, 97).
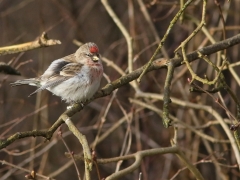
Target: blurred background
(88, 21)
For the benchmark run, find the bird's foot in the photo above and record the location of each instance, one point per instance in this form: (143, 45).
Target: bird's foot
(70, 106)
(82, 104)
(75, 102)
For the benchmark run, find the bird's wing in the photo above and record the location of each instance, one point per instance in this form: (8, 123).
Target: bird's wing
(67, 71)
(71, 69)
(70, 58)
(54, 69)
(51, 82)
(57, 65)
(59, 71)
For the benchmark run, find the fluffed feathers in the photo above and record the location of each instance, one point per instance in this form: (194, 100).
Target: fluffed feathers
(74, 78)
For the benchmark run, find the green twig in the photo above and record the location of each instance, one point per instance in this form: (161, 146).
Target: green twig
(164, 38)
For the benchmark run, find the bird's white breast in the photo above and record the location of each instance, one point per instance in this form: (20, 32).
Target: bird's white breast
(79, 88)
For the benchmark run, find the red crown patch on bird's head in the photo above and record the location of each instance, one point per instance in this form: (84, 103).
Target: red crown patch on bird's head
(94, 49)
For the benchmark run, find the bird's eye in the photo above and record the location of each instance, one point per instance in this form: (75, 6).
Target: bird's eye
(88, 54)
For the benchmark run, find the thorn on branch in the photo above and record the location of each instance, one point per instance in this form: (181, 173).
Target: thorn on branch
(234, 127)
(32, 175)
(94, 155)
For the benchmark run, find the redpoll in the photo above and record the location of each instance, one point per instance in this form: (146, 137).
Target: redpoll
(75, 78)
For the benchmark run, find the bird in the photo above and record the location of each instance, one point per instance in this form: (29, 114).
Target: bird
(75, 78)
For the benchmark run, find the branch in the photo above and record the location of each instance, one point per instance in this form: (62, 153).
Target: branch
(42, 41)
(86, 150)
(166, 99)
(138, 156)
(172, 23)
(157, 64)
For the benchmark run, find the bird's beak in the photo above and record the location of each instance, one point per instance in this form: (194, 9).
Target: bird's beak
(95, 58)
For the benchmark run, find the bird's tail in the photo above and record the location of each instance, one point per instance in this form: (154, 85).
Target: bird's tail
(31, 82)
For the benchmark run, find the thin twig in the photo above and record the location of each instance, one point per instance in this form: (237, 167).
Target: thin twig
(172, 23)
(65, 144)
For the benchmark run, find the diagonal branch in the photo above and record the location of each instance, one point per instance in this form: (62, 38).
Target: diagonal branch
(110, 87)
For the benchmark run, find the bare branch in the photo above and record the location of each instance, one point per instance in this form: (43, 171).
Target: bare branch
(42, 41)
(106, 90)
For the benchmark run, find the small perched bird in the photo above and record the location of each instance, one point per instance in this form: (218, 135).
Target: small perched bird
(75, 78)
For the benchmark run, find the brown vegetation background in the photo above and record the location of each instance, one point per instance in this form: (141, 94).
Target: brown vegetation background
(67, 20)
